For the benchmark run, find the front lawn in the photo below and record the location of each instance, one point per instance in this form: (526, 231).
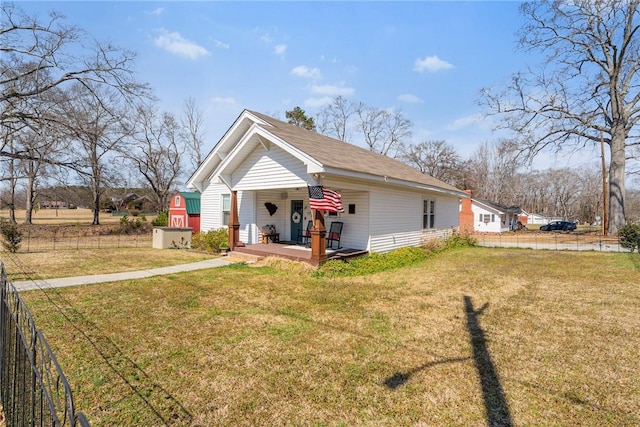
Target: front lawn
(471, 336)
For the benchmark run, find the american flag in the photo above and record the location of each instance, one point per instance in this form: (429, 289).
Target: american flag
(323, 199)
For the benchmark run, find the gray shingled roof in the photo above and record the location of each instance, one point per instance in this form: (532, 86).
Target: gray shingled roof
(336, 154)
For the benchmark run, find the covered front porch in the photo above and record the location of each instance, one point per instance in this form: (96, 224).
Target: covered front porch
(296, 252)
(274, 222)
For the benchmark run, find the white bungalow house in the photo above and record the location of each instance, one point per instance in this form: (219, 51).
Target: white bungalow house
(259, 172)
(482, 216)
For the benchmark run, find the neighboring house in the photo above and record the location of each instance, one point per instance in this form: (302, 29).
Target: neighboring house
(482, 216)
(133, 201)
(184, 211)
(537, 219)
(265, 166)
(53, 204)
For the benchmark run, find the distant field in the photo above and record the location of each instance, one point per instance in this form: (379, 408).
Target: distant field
(62, 216)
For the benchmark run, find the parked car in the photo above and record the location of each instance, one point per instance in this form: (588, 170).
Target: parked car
(559, 225)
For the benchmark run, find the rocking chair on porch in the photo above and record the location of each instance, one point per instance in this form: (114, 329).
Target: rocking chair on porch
(304, 236)
(334, 234)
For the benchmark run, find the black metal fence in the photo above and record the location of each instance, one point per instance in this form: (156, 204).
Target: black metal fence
(33, 388)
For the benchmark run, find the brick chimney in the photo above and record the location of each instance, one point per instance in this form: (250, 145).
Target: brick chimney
(466, 214)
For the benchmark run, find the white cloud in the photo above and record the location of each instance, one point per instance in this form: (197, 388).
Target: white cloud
(318, 102)
(410, 98)
(476, 120)
(266, 38)
(157, 11)
(221, 45)
(173, 42)
(431, 63)
(332, 90)
(227, 100)
(280, 49)
(304, 71)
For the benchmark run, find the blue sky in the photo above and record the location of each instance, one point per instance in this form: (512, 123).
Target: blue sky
(426, 58)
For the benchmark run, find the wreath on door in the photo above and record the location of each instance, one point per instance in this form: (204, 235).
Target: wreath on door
(296, 217)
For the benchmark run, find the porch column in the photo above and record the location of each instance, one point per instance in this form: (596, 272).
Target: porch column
(234, 223)
(318, 235)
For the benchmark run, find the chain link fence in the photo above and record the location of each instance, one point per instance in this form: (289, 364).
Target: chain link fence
(76, 239)
(557, 241)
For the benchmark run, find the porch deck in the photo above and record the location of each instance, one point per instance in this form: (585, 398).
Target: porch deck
(296, 252)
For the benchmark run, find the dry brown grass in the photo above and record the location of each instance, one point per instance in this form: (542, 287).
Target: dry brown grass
(62, 216)
(68, 263)
(469, 337)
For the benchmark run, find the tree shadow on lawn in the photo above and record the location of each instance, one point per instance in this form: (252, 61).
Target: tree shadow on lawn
(494, 398)
(495, 401)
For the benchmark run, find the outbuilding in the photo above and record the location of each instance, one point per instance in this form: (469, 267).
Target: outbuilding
(184, 211)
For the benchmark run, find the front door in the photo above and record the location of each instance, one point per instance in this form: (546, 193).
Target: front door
(297, 215)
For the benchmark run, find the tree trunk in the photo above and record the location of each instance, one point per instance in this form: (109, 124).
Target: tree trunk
(30, 199)
(96, 208)
(617, 217)
(12, 193)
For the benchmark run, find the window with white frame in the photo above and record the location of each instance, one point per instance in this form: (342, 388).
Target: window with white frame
(178, 201)
(428, 214)
(226, 208)
(487, 218)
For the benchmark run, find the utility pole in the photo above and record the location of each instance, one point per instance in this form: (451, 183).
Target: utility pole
(605, 205)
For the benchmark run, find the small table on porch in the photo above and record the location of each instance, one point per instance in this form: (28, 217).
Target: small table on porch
(275, 238)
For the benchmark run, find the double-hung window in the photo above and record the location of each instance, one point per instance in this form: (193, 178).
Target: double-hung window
(428, 214)
(226, 208)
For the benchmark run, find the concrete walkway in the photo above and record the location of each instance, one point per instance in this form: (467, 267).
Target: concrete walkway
(114, 277)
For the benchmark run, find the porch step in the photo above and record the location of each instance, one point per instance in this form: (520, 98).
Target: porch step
(346, 254)
(244, 257)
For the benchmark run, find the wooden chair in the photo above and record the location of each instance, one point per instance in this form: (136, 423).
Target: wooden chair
(334, 234)
(304, 236)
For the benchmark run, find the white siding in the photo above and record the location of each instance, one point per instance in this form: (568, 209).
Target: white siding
(211, 206)
(480, 226)
(355, 232)
(447, 212)
(247, 216)
(266, 170)
(396, 217)
(279, 218)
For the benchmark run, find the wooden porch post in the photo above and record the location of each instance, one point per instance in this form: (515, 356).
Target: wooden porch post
(234, 224)
(318, 235)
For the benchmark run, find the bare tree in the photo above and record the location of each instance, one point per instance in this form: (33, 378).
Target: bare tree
(335, 119)
(493, 167)
(384, 131)
(40, 148)
(95, 123)
(9, 175)
(192, 124)
(158, 153)
(588, 88)
(39, 57)
(435, 158)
